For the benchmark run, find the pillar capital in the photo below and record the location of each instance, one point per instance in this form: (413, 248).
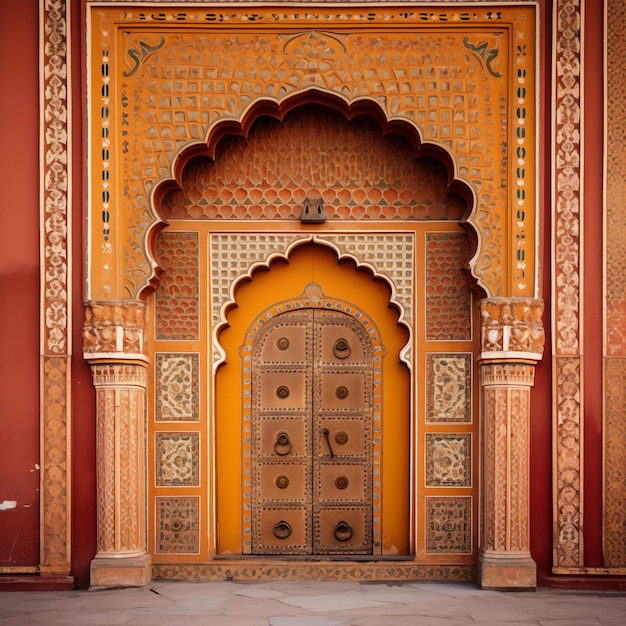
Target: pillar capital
(511, 328)
(114, 330)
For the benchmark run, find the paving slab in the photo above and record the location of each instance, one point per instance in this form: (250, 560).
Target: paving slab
(310, 603)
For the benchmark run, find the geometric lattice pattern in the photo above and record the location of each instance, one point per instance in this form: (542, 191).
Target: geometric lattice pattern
(177, 459)
(449, 525)
(177, 525)
(448, 387)
(448, 299)
(391, 255)
(176, 387)
(448, 460)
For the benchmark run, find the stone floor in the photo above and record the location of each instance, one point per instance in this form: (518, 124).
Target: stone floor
(311, 604)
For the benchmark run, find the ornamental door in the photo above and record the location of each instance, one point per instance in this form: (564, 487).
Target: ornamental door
(311, 426)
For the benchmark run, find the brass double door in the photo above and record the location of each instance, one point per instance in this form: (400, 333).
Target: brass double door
(311, 427)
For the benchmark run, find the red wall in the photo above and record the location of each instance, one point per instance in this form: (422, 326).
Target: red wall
(19, 321)
(19, 282)
(84, 505)
(19, 289)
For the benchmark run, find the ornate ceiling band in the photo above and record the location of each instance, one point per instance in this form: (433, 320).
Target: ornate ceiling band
(55, 322)
(389, 256)
(566, 219)
(451, 79)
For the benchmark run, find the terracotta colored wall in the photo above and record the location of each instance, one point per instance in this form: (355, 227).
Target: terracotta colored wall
(84, 513)
(19, 284)
(541, 407)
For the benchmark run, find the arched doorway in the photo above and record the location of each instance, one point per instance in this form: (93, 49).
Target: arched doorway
(316, 416)
(313, 385)
(395, 250)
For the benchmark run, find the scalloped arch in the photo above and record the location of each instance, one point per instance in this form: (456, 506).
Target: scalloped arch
(278, 109)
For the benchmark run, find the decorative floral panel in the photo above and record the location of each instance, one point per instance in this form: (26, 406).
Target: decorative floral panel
(177, 459)
(176, 387)
(448, 460)
(448, 387)
(177, 525)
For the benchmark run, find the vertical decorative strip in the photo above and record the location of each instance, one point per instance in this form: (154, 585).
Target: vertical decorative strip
(55, 220)
(614, 532)
(566, 348)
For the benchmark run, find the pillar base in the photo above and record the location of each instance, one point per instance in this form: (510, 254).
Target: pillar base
(507, 572)
(111, 572)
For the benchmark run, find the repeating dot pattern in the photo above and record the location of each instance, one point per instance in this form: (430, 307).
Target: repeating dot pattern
(177, 525)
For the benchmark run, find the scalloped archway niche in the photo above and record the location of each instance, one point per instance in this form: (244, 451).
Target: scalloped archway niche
(370, 174)
(414, 148)
(392, 246)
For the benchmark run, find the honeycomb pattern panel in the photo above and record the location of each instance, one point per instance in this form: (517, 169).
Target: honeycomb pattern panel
(350, 166)
(178, 293)
(448, 299)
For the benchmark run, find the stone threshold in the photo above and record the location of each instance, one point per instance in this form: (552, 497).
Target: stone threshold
(255, 569)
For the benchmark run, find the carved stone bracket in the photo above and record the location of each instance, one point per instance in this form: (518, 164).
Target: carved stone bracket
(114, 330)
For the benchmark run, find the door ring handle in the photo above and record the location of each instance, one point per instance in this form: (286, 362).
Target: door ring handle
(343, 531)
(282, 530)
(282, 446)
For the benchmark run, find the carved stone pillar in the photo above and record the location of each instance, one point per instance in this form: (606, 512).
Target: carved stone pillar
(512, 340)
(113, 344)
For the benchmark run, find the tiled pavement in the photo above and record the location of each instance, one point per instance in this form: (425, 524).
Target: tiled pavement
(311, 604)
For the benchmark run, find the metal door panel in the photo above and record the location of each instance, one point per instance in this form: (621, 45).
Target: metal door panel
(283, 530)
(342, 482)
(343, 530)
(283, 391)
(269, 431)
(333, 351)
(284, 482)
(347, 437)
(311, 425)
(342, 391)
(287, 344)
